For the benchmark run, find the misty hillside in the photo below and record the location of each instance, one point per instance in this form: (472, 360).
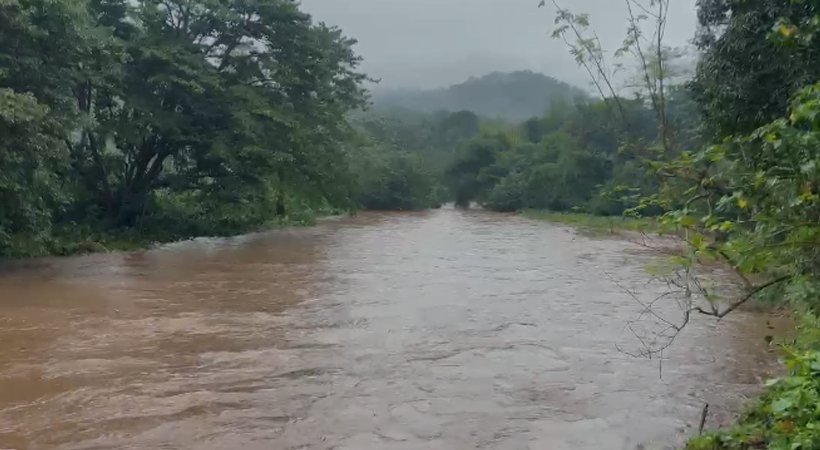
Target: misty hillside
(512, 96)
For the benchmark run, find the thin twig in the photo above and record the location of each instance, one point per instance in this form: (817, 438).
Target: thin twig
(746, 298)
(703, 415)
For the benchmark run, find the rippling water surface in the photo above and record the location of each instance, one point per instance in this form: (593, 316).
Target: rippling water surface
(442, 330)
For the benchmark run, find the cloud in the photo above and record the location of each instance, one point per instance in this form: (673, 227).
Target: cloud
(429, 43)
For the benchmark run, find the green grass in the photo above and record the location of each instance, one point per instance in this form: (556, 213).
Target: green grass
(596, 225)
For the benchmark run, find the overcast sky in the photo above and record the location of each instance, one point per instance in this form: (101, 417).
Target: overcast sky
(431, 43)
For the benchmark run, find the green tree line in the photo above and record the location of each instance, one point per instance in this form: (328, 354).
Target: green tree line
(166, 119)
(126, 122)
(579, 156)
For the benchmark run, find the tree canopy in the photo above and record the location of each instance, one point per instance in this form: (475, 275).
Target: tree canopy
(185, 117)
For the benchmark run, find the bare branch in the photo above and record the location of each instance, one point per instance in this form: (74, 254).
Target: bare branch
(643, 8)
(746, 298)
(594, 56)
(646, 308)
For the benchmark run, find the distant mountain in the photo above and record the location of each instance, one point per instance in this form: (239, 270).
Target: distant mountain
(513, 96)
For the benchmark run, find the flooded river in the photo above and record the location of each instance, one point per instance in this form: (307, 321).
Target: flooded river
(449, 330)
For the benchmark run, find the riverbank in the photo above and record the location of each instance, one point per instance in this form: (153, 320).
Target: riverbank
(597, 225)
(81, 241)
(785, 414)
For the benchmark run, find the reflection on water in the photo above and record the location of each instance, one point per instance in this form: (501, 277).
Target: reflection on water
(441, 330)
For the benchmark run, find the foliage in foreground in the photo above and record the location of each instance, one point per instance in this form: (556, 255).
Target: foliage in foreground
(786, 416)
(752, 201)
(763, 216)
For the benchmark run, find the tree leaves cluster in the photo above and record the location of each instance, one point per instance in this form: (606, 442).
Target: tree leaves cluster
(167, 118)
(399, 164)
(576, 157)
(750, 200)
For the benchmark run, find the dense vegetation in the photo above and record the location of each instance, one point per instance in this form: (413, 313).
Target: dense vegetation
(754, 196)
(166, 119)
(737, 176)
(513, 97)
(126, 122)
(400, 164)
(576, 157)
(132, 122)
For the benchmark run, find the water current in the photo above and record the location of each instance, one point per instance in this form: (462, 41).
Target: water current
(449, 330)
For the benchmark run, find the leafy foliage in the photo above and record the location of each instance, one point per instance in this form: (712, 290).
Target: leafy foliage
(750, 201)
(745, 79)
(392, 180)
(785, 417)
(161, 120)
(573, 158)
(399, 163)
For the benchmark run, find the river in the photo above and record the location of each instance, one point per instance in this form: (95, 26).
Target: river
(446, 329)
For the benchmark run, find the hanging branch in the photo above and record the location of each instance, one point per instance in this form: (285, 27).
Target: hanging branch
(590, 48)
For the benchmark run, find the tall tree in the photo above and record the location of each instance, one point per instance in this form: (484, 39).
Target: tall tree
(223, 98)
(44, 48)
(744, 79)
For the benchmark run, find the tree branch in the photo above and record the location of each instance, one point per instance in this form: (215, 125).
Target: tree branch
(756, 290)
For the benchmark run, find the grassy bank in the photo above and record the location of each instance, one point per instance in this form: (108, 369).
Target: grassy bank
(596, 225)
(786, 416)
(82, 239)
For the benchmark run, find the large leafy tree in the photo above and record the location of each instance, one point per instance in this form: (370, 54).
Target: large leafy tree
(223, 98)
(113, 110)
(44, 49)
(745, 79)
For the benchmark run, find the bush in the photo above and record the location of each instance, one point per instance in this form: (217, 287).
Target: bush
(787, 415)
(396, 180)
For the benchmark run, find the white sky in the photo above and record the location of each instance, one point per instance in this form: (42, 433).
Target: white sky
(430, 43)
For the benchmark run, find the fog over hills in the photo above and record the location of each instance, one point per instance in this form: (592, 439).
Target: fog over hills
(513, 96)
(430, 44)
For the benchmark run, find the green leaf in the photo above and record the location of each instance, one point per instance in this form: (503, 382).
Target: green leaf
(781, 405)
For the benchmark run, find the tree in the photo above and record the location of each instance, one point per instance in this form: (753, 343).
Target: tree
(169, 117)
(745, 79)
(213, 98)
(44, 46)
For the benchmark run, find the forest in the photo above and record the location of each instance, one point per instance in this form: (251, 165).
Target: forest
(131, 123)
(126, 123)
(155, 121)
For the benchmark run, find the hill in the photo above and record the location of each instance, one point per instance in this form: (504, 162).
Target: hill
(514, 96)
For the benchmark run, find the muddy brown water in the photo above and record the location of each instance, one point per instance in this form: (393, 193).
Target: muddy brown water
(441, 330)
